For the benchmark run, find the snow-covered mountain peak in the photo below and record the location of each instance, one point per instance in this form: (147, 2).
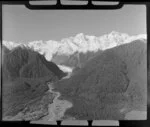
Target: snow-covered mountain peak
(78, 43)
(10, 44)
(80, 35)
(116, 33)
(79, 38)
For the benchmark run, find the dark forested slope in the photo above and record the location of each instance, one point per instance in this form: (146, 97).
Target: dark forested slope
(25, 74)
(107, 83)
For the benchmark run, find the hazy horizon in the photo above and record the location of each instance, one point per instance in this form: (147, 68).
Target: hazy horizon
(23, 25)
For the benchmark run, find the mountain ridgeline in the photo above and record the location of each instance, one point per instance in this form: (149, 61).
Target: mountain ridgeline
(109, 82)
(109, 76)
(76, 60)
(23, 62)
(25, 74)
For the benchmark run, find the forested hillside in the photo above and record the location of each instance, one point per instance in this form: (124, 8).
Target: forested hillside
(25, 74)
(109, 82)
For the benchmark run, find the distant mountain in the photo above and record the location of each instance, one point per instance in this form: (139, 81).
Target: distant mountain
(70, 51)
(115, 79)
(76, 60)
(25, 74)
(76, 51)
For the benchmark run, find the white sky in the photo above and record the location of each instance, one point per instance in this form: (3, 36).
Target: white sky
(22, 24)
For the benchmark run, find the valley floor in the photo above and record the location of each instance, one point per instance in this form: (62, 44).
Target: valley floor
(54, 109)
(58, 107)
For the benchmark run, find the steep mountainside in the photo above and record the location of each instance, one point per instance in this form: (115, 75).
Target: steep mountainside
(109, 74)
(75, 60)
(25, 74)
(23, 62)
(70, 50)
(15, 60)
(113, 80)
(4, 52)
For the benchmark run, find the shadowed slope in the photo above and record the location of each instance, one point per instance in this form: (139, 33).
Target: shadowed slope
(25, 74)
(107, 83)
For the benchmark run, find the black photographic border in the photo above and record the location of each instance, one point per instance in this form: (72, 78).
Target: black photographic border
(89, 6)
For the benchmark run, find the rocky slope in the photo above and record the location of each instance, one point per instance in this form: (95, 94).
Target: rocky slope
(108, 69)
(25, 74)
(115, 79)
(72, 51)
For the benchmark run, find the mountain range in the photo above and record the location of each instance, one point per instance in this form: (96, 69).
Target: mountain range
(115, 79)
(60, 51)
(108, 74)
(25, 74)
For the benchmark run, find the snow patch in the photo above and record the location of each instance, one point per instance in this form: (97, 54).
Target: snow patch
(65, 68)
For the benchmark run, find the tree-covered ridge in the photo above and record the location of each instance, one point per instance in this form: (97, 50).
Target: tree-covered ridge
(24, 62)
(115, 79)
(25, 76)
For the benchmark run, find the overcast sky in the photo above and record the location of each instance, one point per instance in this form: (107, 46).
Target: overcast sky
(22, 24)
